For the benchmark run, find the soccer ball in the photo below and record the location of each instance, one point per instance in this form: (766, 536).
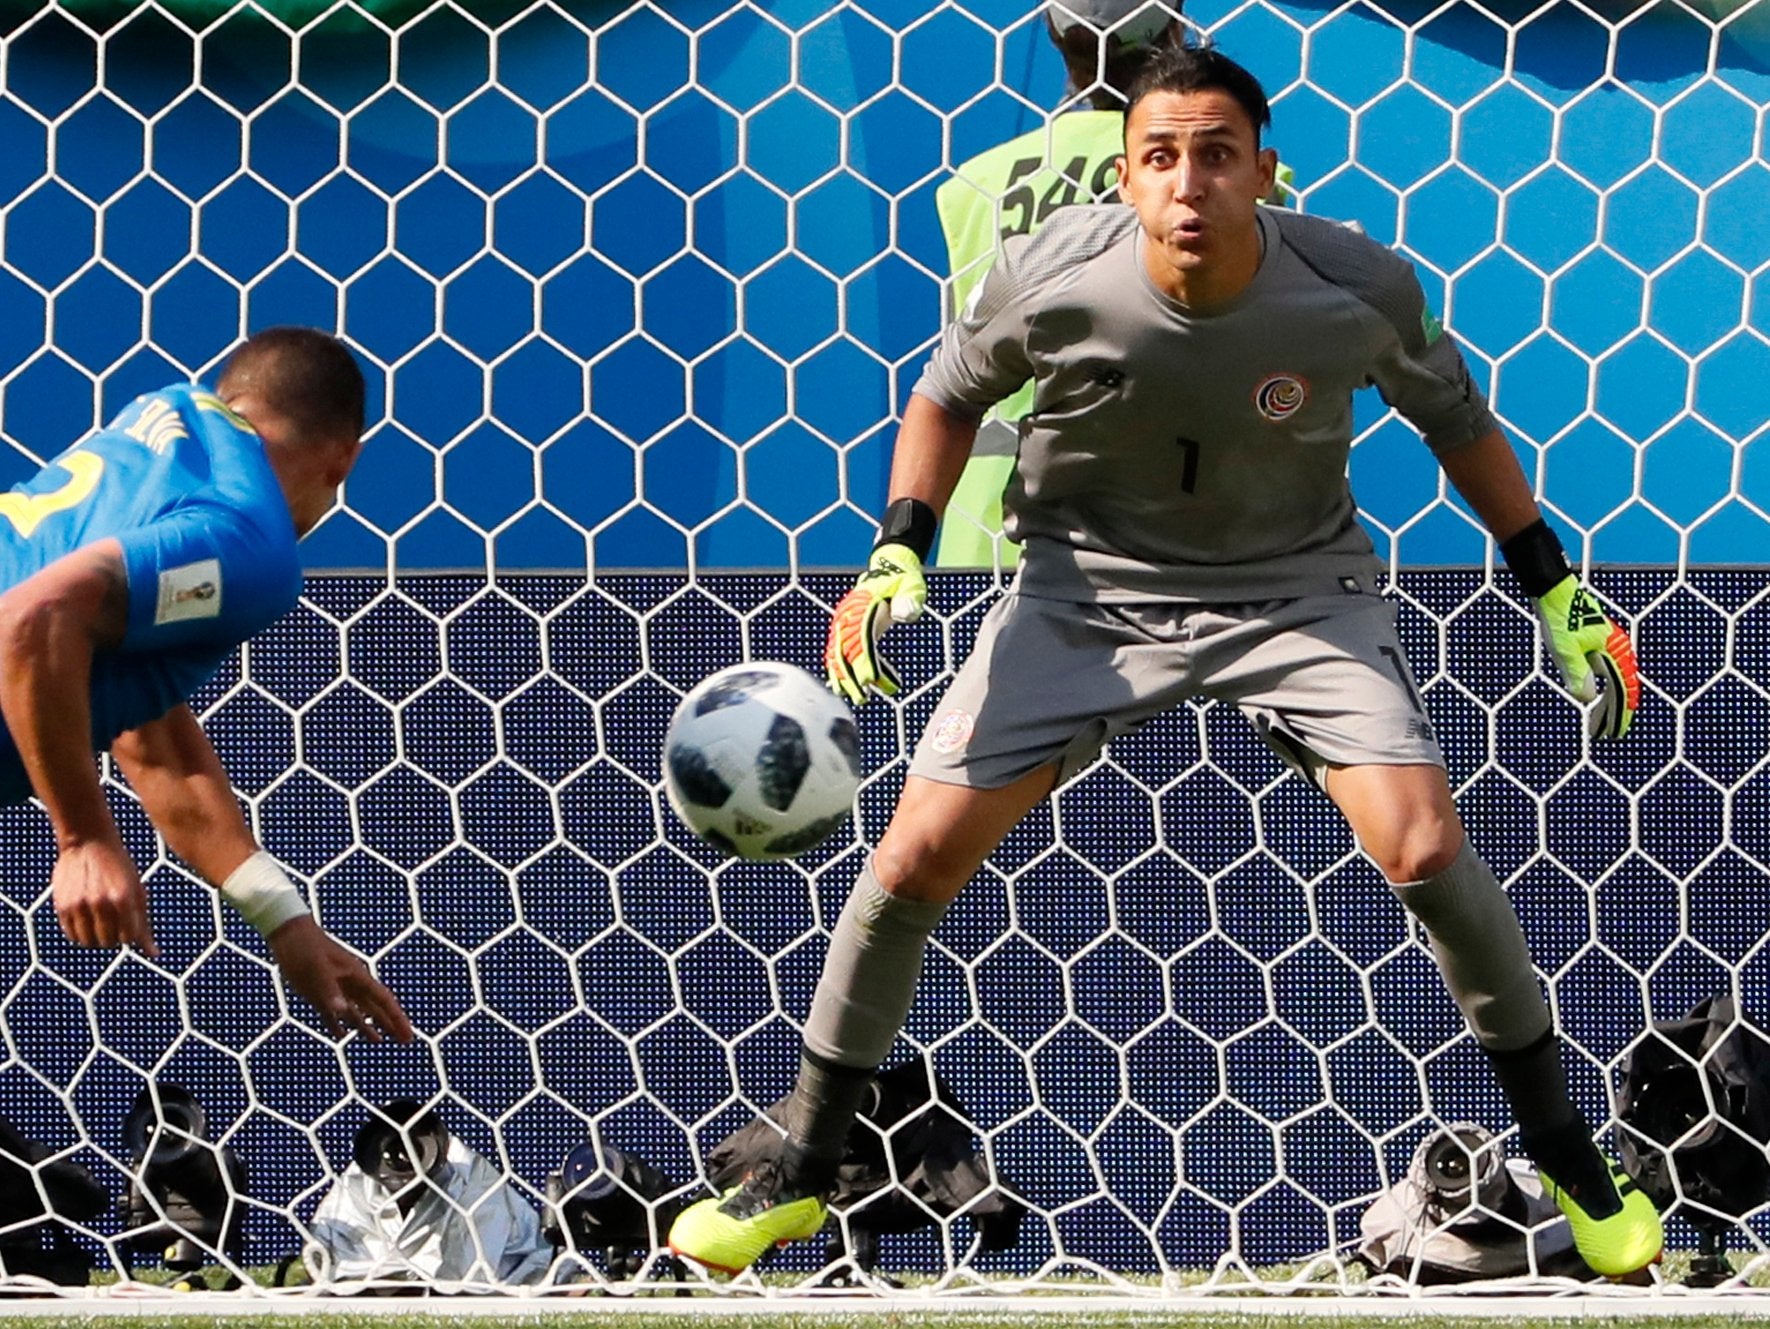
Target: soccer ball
(761, 761)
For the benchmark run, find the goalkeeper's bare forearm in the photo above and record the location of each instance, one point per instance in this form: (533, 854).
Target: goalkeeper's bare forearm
(1486, 473)
(932, 447)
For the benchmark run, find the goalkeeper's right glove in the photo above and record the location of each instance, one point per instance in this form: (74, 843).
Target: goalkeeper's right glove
(891, 590)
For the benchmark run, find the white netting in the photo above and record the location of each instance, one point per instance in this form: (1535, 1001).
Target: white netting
(641, 288)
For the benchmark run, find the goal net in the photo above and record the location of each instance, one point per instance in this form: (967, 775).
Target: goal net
(641, 289)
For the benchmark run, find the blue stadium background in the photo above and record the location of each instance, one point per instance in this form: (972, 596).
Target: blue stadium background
(457, 734)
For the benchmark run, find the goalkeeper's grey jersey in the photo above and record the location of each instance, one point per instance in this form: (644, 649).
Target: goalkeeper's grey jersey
(1171, 454)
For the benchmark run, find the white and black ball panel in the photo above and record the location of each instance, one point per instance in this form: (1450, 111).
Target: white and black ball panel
(809, 836)
(732, 688)
(761, 761)
(695, 777)
(845, 737)
(783, 763)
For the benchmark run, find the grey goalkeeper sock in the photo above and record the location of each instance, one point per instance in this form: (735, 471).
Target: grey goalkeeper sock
(1486, 965)
(826, 1099)
(869, 980)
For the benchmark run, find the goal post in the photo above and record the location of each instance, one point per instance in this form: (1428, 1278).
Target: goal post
(641, 290)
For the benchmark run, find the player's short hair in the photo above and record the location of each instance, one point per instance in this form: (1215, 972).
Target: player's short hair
(1202, 68)
(1133, 31)
(1127, 22)
(304, 374)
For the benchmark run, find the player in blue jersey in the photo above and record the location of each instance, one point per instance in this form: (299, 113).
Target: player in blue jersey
(134, 564)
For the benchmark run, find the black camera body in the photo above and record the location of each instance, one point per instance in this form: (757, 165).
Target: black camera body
(404, 1148)
(185, 1196)
(34, 1239)
(603, 1199)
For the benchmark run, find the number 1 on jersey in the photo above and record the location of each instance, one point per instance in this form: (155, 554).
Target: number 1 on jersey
(1188, 464)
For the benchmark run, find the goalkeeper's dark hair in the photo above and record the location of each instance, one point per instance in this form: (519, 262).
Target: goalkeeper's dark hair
(1202, 68)
(303, 374)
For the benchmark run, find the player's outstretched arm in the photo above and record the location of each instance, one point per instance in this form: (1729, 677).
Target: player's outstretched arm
(932, 446)
(1583, 640)
(175, 772)
(50, 626)
(334, 980)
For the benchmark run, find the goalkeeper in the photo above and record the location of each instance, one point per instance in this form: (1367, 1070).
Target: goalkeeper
(134, 564)
(1188, 528)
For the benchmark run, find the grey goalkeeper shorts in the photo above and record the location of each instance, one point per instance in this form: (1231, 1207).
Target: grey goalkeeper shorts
(1322, 679)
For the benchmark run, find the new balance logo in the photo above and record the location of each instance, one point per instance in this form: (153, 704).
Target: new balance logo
(1421, 729)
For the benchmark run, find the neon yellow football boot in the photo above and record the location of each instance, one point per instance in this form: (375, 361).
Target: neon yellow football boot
(730, 1232)
(1616, 1228)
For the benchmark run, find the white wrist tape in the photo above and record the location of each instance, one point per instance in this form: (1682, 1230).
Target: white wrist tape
(263, 893)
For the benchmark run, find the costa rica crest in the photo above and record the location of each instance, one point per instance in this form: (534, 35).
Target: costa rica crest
(1280, 396)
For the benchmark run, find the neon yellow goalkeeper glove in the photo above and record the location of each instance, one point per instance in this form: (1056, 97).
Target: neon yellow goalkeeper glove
(891, 590)
(1582, 637)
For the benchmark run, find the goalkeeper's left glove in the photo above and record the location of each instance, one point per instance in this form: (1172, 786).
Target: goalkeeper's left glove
(1580, 635)
(891, 590)
(1583, 637)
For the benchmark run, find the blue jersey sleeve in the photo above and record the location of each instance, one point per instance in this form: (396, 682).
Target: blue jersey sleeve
(205, 576)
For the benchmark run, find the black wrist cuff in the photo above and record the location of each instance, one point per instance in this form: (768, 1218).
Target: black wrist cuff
(911, 522)
(1536, 559)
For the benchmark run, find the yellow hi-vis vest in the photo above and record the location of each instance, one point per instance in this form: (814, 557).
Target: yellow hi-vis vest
(1008, 191)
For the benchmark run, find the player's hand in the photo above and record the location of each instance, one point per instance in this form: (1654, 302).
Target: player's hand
(891, 590)
(99, 898)
(1583, 638)
(337, 984)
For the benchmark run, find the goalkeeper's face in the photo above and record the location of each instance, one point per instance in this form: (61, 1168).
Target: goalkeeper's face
(1195, 173)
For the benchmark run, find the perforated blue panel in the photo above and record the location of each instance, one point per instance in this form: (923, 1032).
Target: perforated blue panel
(569, 961)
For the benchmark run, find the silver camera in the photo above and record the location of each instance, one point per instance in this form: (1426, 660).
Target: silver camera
(1460, 1168)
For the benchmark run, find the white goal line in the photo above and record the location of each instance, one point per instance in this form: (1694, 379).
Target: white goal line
(1601, 1303)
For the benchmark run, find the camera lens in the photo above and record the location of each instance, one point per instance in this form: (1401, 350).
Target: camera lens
(592, 1171)
(395, 1162)
(1454, 1161)
(1448, 1168)
(165, 1125)
(400, 1143)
